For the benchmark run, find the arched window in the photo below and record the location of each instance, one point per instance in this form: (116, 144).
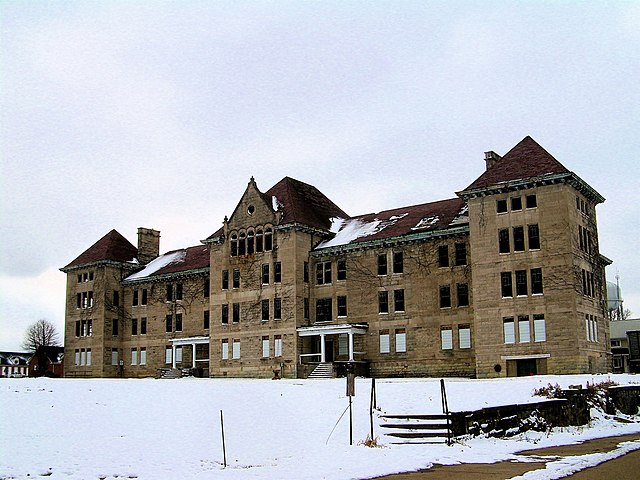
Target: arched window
(259, 240)
(250, 238)
(268, 239)
(234, 245)
(242, 245)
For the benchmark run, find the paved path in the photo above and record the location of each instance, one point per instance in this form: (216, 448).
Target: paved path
(626, 467)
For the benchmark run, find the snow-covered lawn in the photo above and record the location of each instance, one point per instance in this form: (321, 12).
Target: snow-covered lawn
(165, 429)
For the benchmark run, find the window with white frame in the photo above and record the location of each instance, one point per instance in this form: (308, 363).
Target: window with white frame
(179, 354)
(225, 349)
(401, 340)
(265, 347)
(464, 336)
(143, 356)
(539, 328)
(114, 356)
(235, 351)
(168, 355)
(277, 346)
(343, 344)
(524, 333)
(446, 338)
(509, 330)
(134, 356)
(384, 341)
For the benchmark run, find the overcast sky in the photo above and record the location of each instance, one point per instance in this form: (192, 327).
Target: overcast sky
(156, 114)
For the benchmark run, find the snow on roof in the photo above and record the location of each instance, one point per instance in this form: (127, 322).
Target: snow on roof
(160, 262)
(349, 230)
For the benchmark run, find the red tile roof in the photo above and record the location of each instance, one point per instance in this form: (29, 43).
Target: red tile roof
(113, 246)
(304, 204)
(526, 160)
(399, 222)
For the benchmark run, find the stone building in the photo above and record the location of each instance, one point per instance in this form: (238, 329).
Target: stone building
(504, 279)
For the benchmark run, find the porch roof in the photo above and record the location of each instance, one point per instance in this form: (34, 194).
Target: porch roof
(189, 340)
(333, 329)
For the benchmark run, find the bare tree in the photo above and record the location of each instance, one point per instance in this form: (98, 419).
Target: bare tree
(42, 333)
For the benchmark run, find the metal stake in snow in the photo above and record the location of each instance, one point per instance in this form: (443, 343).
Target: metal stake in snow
(224, 450)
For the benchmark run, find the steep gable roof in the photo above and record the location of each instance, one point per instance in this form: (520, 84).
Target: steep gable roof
(526, 160)
(304, 204)
(176, 261)
(399, 222)
(113, 246)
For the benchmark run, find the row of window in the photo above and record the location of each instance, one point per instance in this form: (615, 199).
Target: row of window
(460, 255)
(446, 337)
(170, 326)
(581, 205)
(518, 236)
(85, 277)
(588, 283)
(84, 328)
(400, 341)
(521, 283)
(252, 241)
(520, 331)
(585, 240)
(515, 202)
(84, 299)
(591, 323)
(139, 359)
(82, 357)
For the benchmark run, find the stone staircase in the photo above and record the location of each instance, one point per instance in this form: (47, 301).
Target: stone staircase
(417, 428)
(169, 373)
(323, 370)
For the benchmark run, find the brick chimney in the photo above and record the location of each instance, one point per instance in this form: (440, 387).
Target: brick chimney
(491, 158)
(148, 244)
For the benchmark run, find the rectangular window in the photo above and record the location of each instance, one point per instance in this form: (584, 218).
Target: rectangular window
(342, 306)
(446, 338)
(323, 273)
(77, 352)
(506, 284)
(509, 330)
(277, 272)
(143, 356)
(277, 346)
(178, 322)
(531, 201)
(114, 327)
(178, 291)
(83, 357)
(398, 300)
(143, 300)
(224, 349)
(83, 328)
(143, 326)
(236, 349)
(225, 279)
(323, 310)
(536, 281)
(169, 323)
(443, 256)
(265, 310)
(342, 269)
(114, 356)
(205, 320)
(382, 264)
(305, 309)
(265, 274)
(168, 355)
(518, 239)
(134, 326)
(463, 294)
(236, 313)
(236, 278)
(89, 328)
(521, 283)
(516, 203)
(305, 272)
(205, 289)
(178, 354)
(534, 236)
(134, 356)
(398, 262)
(116, 298)
(501, 206)
(135, 297)
(343, 344)
(503, 241)
(88, 356)
(445, 296)
(464, 336)
(383, 302)
(401, 340)
(265, 347)
(277, 308)
(461, 254)
(384, 341)
(539, 328)
(524, 334)
(78, 331)
(169, 296)
(224, 318)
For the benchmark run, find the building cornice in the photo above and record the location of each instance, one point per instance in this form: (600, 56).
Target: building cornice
(168, 276)
(102, 263)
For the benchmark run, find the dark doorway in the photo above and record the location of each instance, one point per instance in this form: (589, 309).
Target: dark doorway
(526, 367)
(328, 351)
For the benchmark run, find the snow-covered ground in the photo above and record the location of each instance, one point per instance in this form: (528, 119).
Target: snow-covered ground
(166, 429)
